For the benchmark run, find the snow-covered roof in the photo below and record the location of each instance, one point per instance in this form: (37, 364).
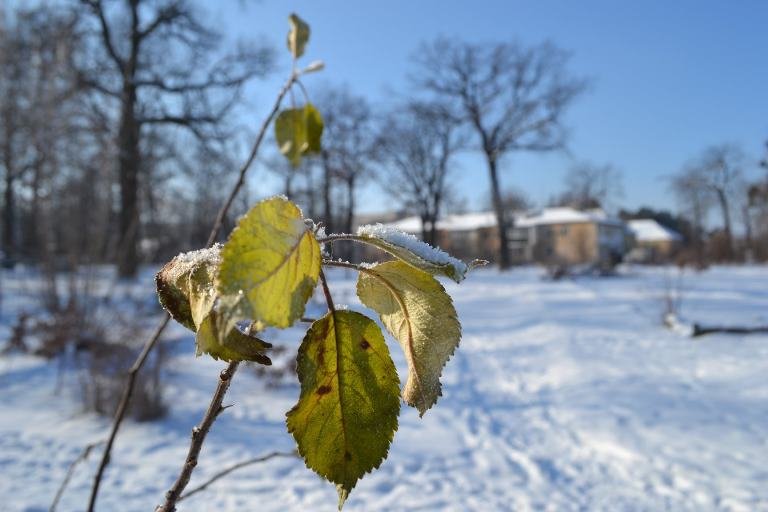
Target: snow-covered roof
(458, 222)
(648, 230)
(467, 221)
(479, 220)
(410, 224)
(565, 215)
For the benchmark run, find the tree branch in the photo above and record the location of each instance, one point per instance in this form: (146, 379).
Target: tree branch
(234, 467)
(122, 407)
(198, 437)
(164, 17)
(251, 157)
(218, 223)
(70, 471)
(106, 34)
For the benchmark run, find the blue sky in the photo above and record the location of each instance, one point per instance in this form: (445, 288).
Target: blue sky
(668, 78)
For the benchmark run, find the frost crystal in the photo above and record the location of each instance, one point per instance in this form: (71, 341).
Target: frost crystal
(210, 255)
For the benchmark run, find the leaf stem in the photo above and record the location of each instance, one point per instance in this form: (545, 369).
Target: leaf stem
(345, 264)
(199, 433)
(327, 292)
(340, 236)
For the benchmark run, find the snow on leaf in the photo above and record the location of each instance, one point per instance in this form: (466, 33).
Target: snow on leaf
(417, 311)
(173, 282)
(186, 287)
(269, 268)
(347, 412)
(413, 251)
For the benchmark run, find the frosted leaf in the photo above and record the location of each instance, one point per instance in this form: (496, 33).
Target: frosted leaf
(413, 251)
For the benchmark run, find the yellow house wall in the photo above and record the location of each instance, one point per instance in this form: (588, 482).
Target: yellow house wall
(575, 243)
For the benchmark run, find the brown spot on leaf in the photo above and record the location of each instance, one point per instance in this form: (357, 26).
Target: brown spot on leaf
(347, 456)
(323, 390)
(364, 344)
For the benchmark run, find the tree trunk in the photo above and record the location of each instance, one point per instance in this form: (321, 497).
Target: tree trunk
(723, 200)
(349, 221)
(9, 219)
(433, 221)
(327, 206)
(498, 207)
(350, 205)
(128, 169)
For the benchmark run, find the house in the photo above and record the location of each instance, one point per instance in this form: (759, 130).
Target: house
(566, 236)
(653, 242)
(551, 236)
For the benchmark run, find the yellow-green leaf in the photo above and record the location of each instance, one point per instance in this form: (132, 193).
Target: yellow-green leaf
(347, 411)
(173, 282)
(413, 251)
(290, 134)
(314, 126)
(269, 268)
(298, 132)
(298, 36)
(237, 346)
(418, 312)
(186, 287)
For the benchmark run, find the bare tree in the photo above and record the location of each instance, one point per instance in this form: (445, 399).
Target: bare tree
(416, 145)
(348, 148)
(589, 185)
(689, 189)
(37, 92)
(720, 168)
(155, 61)
(14, 150)
(513, 96)
(513, 200)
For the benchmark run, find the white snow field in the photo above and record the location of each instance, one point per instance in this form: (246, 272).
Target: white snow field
(563, 396)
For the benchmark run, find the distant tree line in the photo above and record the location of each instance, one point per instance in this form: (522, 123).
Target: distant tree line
(117, 115)
(715, 183)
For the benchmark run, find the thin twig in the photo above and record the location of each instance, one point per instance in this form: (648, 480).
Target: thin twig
(71, 471)
(251, 157)
(215, 231)
(122, 408)
(234, 467)
(198, 437)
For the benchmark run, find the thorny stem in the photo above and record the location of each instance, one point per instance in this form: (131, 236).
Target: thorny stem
(198, 437)
(234, 467)
(151, 342)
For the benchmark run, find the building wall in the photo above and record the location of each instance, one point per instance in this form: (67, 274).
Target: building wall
(660, 251)
(575, 243)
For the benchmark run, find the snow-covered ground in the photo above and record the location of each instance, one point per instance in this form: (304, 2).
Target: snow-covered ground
(565, 395)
